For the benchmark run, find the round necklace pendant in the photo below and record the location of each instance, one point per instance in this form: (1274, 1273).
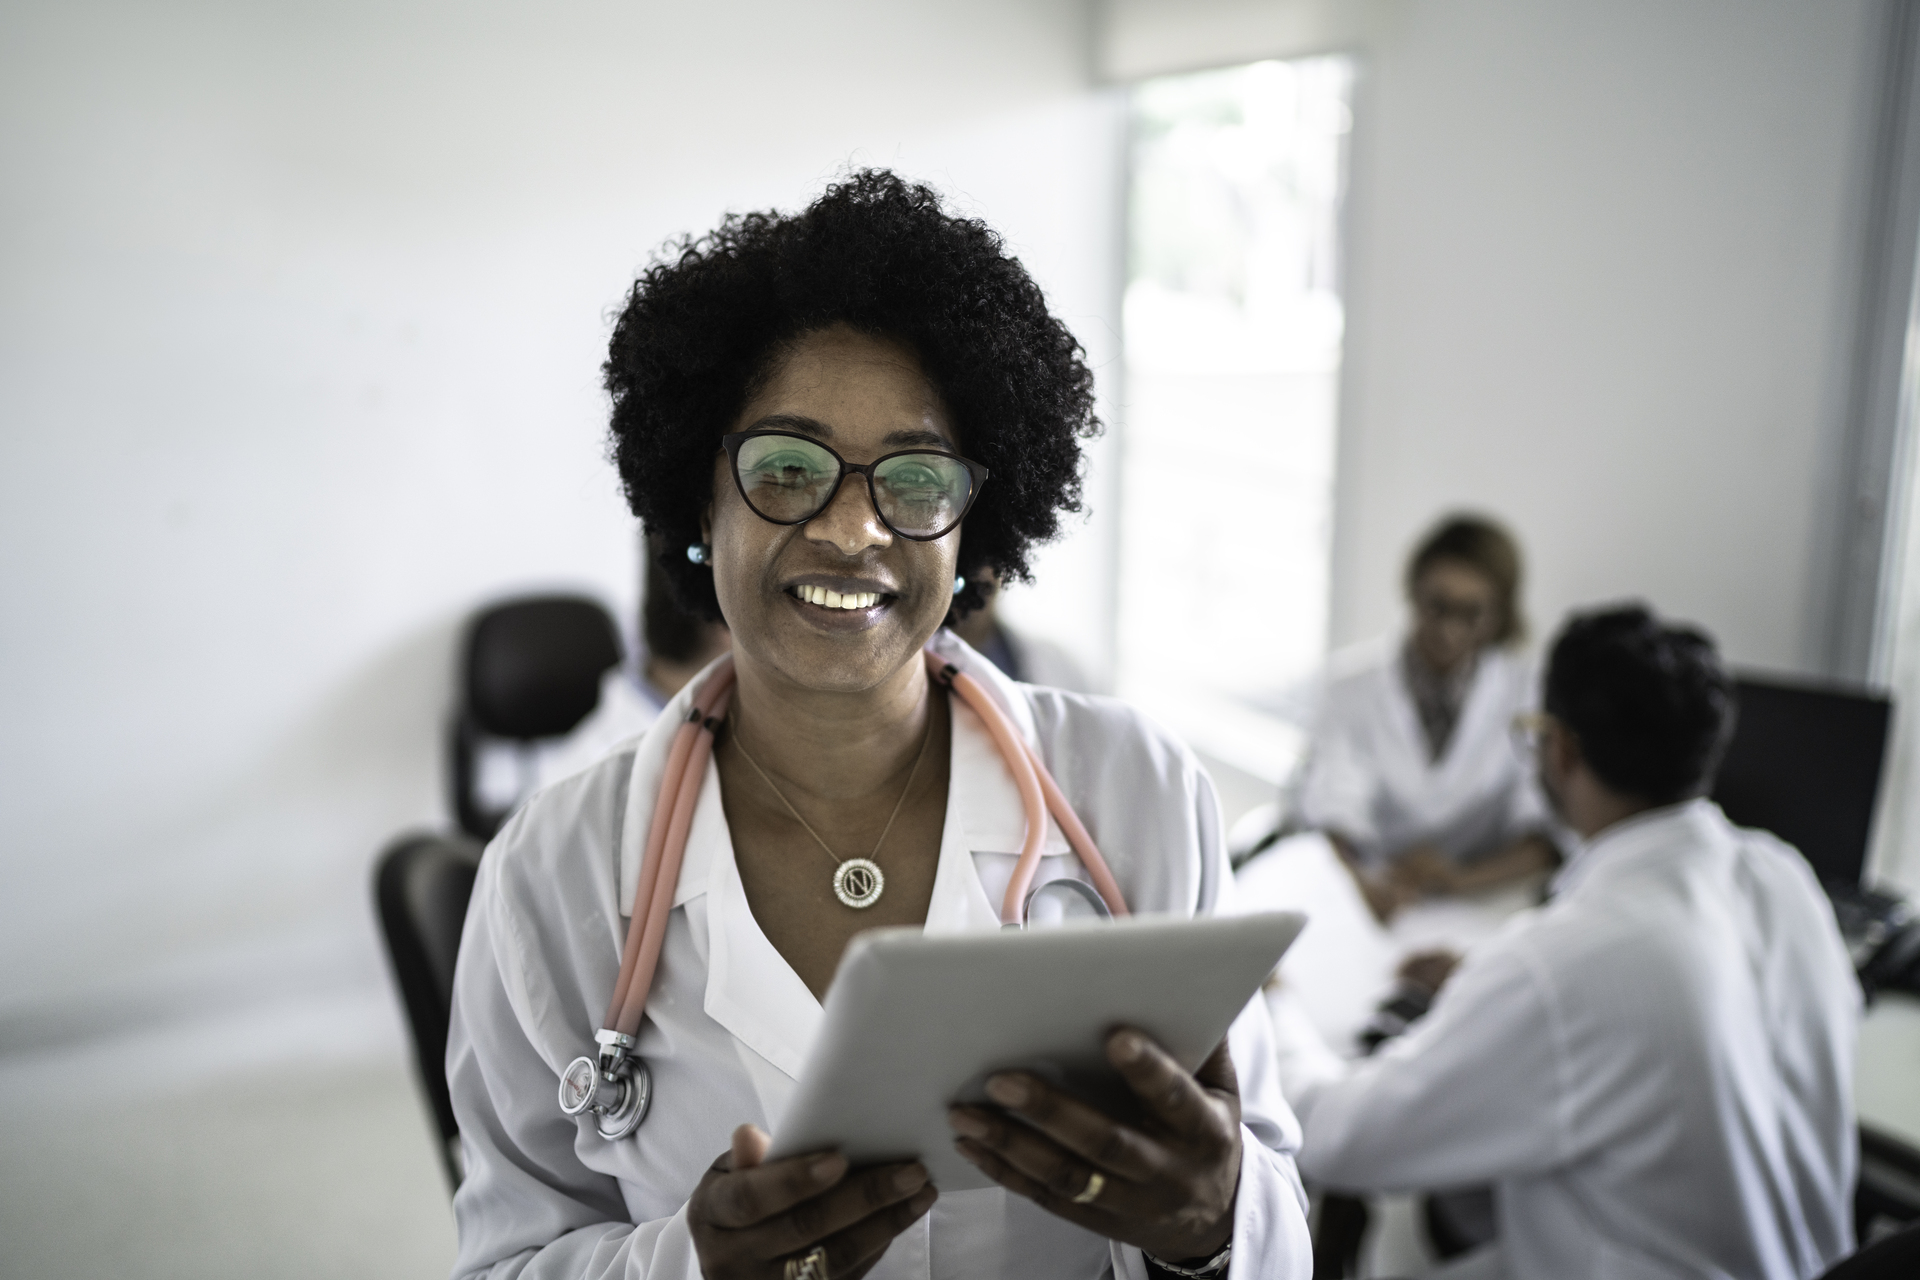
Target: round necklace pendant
(858, 883)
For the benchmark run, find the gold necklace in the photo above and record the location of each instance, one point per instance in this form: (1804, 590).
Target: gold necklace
(857, 882)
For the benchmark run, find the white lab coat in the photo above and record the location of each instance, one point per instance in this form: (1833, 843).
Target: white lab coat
(729, 1023)
(1369, 775)
(1654, 1069)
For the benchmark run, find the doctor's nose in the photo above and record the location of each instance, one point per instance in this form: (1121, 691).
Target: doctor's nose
(850, 522)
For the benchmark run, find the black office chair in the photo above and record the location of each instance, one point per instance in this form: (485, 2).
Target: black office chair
(421, 887)
(1894, 1257)
(1888, 1192)
(530, 669)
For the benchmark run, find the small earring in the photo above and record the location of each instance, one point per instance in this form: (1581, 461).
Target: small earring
(959, 585)
(700, 553)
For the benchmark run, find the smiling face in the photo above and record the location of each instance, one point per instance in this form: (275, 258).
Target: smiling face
(839, 603)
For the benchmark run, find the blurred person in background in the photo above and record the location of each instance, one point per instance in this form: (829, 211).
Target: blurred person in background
(1410, 771)
(1028, 659)
(674, 646)
(1654, 1069)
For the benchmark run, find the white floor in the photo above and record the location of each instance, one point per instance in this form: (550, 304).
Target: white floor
(290, 1144)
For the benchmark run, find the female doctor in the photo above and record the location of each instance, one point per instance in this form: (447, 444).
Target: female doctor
(1411, 771)
(810, 405)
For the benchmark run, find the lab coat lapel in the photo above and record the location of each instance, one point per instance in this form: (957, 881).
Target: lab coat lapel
(751, 989)
(960, 902)
(1399, 710)
(1002, 690)
(984, 813)
(1483, 703)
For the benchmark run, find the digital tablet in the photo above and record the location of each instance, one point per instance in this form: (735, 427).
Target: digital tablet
(915, 1022)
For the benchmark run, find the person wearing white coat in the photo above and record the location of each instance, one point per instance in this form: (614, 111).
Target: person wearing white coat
(812, 405)
(1410, 768)
(1654, 1068)
(729, 1023)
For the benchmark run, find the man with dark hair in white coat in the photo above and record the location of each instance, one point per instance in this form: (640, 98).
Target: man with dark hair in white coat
(1653, 1069)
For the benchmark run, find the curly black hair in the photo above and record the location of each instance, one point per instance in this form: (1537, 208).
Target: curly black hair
(705, 324)
(1652, 704)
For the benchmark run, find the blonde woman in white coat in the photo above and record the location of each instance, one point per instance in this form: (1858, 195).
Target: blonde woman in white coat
(1411, 771)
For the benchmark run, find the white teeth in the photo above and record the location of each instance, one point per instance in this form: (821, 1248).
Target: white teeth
(834, 600)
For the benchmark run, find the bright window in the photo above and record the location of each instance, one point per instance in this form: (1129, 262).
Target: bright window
(1233, 323)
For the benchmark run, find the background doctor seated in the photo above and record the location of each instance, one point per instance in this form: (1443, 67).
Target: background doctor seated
(752, 372)
(1411, 772)
(1653, 1068)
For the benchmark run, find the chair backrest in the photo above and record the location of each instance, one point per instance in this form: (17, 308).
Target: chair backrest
(530, 669)
(1888, 1192)
(1893, 1257)
(1805, 764)
(421, 887)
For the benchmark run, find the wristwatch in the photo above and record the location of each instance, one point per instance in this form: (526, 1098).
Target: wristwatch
(1211, 1269)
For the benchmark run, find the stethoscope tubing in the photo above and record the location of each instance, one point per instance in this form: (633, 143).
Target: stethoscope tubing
(1039, 796)
(681, 780)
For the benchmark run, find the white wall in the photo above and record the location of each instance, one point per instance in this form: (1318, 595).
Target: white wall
(1602, 277)
(302, 315)
(1897, 837)
(1603, 284)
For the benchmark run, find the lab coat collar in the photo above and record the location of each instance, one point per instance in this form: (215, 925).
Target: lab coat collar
(1004, 690)
(751, 990)
(979, 788)
(1484, 698)
(1631, 840)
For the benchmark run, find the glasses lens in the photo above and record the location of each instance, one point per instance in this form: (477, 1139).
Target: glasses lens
(922, 494)
(785, 478)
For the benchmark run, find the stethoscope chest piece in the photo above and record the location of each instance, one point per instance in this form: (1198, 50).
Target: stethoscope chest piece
(618, 1094)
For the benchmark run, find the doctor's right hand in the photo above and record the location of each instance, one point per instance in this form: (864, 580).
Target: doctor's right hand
(750, 1218)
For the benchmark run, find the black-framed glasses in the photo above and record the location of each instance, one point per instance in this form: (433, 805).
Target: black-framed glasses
(1441, 608)
(788, 478)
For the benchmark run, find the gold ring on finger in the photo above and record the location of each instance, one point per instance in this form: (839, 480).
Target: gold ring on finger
(811, 1265)
(1096, 1183)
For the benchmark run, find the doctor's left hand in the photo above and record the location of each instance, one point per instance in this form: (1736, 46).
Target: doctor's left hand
(1167, 1185)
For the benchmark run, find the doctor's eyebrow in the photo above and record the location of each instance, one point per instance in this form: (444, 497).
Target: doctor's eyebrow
(906, 438)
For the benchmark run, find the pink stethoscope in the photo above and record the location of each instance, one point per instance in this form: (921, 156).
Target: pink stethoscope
(616, 1085)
